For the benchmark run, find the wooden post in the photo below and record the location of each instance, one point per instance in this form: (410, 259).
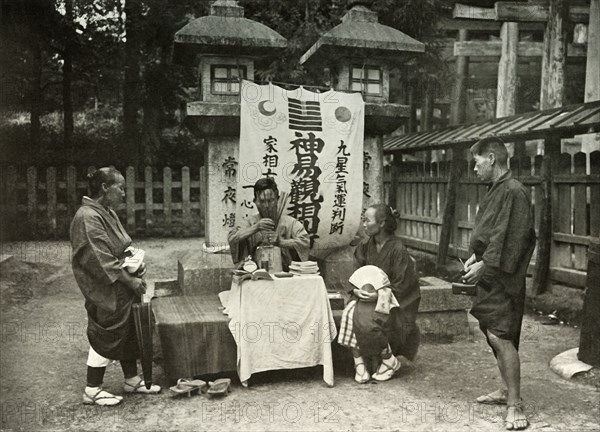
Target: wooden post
(595, 196)
(393, 191)
(167, 187)
(185, 199)
(149, 200)
(459, 97)
(434, 200)
(580, 226)
(412, 118)
(589, 342)
(414, 232)
(519, 149)
(427, 200)
(203, 185)
(449, 206)
(444, 116)
(427, 109)
(538, 192)
(591, 142)
(592, 70)
(553, 59)
(545, 231)
(460, 207)
(544, 244)
(507, 71)
(32, 200)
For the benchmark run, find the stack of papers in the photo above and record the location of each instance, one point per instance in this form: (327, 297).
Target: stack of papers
(133, 259)
(304, 268)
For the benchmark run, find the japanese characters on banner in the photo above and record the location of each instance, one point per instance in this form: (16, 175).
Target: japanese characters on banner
(311, 144)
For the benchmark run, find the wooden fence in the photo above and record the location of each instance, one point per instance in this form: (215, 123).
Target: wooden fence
(420, 195)
(40, 203)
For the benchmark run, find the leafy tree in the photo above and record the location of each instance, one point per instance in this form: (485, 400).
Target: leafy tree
(28, 30)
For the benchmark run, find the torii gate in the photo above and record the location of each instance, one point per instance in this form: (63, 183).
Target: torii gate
(554, 49)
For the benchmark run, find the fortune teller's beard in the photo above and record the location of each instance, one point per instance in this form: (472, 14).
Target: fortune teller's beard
(269, 211)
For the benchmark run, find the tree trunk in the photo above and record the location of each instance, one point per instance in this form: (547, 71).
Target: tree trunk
(131, 86)
(36, 98)
(153, 78)
(67, 81)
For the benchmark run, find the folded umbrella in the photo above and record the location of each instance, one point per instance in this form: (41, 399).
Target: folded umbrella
(142, 316)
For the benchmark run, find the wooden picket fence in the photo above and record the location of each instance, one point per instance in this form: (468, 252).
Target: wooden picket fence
(421, 195)
(40, 203)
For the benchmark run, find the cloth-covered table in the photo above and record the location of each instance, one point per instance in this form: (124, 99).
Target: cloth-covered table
(286, 323)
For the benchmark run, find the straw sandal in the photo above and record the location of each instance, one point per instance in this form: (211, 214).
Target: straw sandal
(140, 387)
(189, 387)
(361, 378)
(219, 387)
(516, 423)
(386, 372)
(101, 398)
(493, 398)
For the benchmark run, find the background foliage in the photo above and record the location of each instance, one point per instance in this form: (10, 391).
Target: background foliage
(91, 82)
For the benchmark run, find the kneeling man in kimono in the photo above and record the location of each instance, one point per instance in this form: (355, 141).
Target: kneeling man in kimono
(502, 241)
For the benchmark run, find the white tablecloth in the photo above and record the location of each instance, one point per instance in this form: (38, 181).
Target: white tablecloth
(282, 324)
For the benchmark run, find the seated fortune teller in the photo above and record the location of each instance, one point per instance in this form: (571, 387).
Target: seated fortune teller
(266, 227)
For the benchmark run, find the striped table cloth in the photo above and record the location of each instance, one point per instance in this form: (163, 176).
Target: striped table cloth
(194, 336)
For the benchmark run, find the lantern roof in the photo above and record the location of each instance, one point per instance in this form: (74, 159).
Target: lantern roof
(361, 35)
(226, 31)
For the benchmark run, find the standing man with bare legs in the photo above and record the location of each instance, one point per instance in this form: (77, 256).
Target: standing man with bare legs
(502, 242)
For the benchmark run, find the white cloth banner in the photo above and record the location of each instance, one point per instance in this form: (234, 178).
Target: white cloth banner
(311, 144)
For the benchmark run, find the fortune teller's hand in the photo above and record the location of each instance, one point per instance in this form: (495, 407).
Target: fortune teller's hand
(275, 240)
(265, 224)
(474, 272)
(270, 238)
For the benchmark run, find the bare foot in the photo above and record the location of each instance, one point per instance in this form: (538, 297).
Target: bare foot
(495, 398)
(515, 418)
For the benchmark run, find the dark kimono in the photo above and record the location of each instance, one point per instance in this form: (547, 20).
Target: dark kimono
(98, 241)
(504, 238)
(288, 229)
(374, 330)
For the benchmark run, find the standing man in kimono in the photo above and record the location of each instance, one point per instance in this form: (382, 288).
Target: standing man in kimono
(286, 233)
(502, 242)
(99, 241)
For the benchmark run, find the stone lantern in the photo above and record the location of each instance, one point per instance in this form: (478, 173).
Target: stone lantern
(358, 54)
(225, 48)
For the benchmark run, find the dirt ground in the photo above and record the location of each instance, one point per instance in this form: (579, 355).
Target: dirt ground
(44, 349)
